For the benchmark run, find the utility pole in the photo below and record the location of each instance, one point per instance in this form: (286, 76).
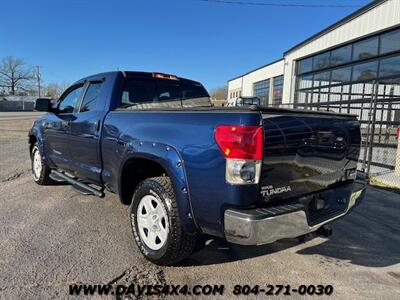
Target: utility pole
(38, 77)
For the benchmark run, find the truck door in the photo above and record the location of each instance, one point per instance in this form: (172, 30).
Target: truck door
(57, 126)
(84, 136)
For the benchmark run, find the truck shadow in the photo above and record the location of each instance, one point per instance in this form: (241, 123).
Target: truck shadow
(368, 236)
(213, 250)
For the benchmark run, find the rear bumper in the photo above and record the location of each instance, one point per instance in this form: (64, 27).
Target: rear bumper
(263, 226)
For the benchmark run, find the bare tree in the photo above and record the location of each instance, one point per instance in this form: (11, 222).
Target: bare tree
(219, 93)
(55, 89)
(15, 75)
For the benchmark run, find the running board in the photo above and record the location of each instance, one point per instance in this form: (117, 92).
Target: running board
(56, 178)
(78, 186)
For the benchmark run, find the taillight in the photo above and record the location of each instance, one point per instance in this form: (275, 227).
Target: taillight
(398, 132)
(241, 142)
(243, 148)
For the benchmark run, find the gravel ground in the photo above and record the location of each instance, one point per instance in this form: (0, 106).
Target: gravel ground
(52, 237)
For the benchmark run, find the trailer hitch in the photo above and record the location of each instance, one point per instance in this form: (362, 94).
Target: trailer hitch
(324, 231)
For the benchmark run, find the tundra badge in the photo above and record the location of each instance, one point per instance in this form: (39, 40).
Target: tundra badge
(271, 190)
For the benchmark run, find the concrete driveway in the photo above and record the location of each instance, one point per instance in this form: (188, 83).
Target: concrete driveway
(52, 237)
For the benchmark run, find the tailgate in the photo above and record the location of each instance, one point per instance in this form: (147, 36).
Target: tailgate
(306, 153)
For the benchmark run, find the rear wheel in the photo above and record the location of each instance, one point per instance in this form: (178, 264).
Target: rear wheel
(156, 224)
(40, 171)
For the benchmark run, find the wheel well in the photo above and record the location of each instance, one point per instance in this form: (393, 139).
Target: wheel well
(134, 171)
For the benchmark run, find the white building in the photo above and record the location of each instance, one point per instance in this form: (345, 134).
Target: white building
(259, 82)
(335, 66)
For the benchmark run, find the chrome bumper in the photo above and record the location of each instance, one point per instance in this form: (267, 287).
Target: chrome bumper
(249, 227)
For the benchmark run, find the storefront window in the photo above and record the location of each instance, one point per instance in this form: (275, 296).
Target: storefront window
(278, 90)
(341, 75)
(341, 55)
(390, 66)
(365, 49)
(321, 61)
(390, 42)
(261, 90)
(305, 65)
(321, 79)
(365, 71)
(305, 81)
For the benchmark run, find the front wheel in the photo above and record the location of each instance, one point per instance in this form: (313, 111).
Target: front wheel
(156, 225)
(40, 170)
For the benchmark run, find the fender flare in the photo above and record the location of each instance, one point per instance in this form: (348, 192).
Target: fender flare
(171, 161)
(36, 133)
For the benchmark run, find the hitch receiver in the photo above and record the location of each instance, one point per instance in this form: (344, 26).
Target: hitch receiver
(325, 231)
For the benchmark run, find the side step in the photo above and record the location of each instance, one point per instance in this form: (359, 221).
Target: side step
(78, 186)
(56, 178)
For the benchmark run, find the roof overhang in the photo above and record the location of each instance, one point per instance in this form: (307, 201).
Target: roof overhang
(341, 22)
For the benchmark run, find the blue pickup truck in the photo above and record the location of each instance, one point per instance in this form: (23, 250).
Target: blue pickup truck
(252, 175)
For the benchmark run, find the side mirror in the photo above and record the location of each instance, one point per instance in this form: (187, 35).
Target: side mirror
(43, 104)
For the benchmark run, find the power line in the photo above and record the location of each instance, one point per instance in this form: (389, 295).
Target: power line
(281, 4)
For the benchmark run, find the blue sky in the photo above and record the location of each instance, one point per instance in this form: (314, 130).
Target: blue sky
(208, 42)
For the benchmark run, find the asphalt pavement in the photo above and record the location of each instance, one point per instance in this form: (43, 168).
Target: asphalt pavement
(52, 237)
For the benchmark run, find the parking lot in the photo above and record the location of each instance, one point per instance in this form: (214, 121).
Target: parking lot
(52, 237)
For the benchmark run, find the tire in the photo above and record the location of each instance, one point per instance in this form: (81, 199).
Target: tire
(40, 170)
(156, 224)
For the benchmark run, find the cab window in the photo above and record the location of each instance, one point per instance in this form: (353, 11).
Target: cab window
(162, 93)
(70, 100)
(91, 97)
(138, 91)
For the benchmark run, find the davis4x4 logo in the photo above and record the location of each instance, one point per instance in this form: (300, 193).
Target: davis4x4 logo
(270, 190)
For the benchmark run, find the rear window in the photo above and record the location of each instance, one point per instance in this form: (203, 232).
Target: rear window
(160, 93)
